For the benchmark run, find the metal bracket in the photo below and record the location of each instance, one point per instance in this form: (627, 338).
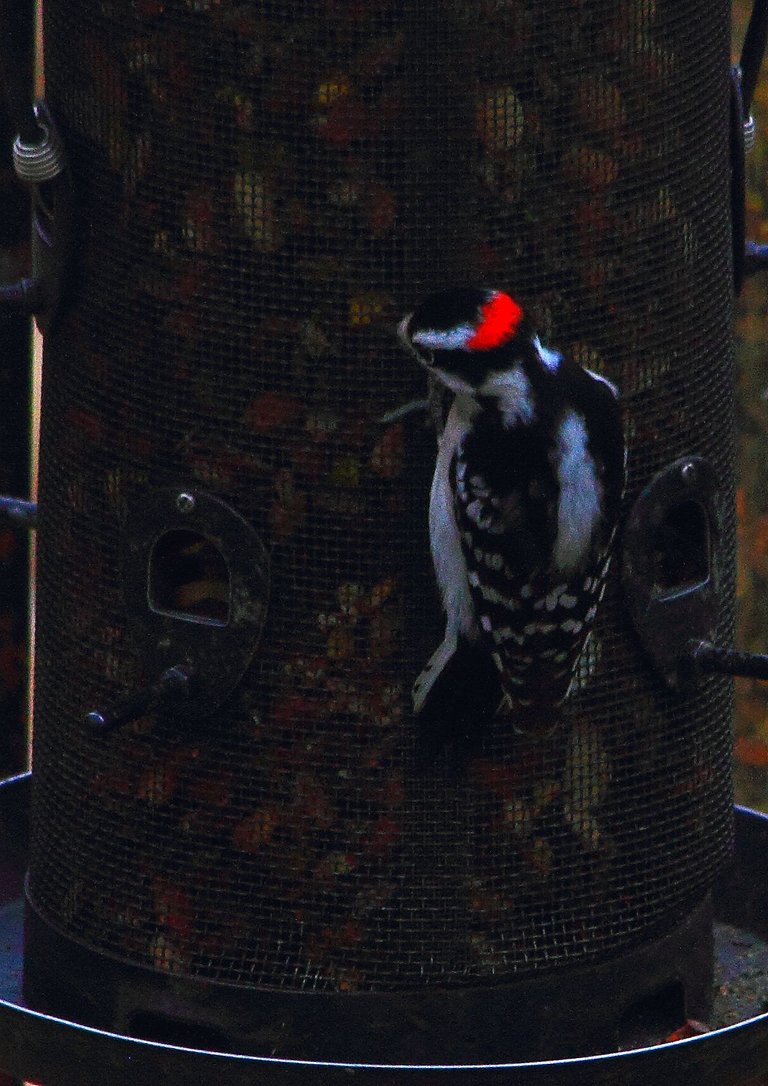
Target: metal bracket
(196, 585)
(671, 574)
(671, 565)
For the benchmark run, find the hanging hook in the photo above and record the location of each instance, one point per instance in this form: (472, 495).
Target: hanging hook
(40, 162)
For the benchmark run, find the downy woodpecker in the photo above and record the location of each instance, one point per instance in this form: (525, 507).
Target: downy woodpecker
(522, 515)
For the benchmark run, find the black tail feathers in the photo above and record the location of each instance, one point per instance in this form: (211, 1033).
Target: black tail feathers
(459, 706)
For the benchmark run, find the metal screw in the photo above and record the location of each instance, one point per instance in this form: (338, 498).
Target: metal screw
(185, 502)
(688, 473)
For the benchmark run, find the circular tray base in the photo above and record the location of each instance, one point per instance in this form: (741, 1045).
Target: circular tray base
(66, 1053)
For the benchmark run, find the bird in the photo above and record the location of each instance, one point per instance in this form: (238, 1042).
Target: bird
(523, 516)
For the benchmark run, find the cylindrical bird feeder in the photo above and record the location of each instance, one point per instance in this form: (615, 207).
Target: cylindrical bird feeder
(231, 838)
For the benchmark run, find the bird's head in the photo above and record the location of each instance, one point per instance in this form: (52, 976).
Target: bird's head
(471, 338)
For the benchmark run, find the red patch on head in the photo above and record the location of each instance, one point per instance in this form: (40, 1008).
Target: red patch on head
(500, 319)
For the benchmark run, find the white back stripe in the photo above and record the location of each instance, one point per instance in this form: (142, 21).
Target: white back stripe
(581, 494)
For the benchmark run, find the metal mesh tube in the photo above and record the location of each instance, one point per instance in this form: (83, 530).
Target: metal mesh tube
(264, 188)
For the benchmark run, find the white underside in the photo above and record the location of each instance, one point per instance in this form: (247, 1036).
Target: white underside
(447, 556)
(450, 567)
(432, 669)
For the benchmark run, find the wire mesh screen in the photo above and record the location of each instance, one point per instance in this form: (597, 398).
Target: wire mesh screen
(264, 189)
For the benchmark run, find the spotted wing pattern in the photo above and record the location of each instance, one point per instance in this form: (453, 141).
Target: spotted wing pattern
(534, 620)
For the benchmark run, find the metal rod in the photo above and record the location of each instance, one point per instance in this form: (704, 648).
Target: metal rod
(709, 658)
(16, 65)
(755, 257)
(24, 296)
(172, 685)
(20, 511)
